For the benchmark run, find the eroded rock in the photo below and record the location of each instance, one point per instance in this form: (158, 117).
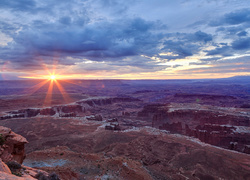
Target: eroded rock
(13, 147)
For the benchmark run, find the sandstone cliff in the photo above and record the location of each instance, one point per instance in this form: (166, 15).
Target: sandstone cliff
(12, 154)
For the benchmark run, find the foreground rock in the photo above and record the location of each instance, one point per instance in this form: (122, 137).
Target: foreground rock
(12, 154)
(13, 147)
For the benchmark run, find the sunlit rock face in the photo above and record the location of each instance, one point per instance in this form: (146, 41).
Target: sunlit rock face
(13, 147)
(4, 168)
(12, 154)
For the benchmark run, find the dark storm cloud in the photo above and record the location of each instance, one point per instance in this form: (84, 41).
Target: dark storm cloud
(231, 31)
(120, 33)
(101, 39)
(95, 41)
(233, 18)
(223, 51)
(241, 44)
(236, 46)
(186, 44)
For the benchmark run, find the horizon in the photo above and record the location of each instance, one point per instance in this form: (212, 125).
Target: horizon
(122, 79)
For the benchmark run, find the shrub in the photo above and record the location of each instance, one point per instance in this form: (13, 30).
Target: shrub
(17, 174)
(53, 176)
(41, 176)
(15, 168)
(13, 165)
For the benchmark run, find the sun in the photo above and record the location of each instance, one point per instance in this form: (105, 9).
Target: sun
(52, 77)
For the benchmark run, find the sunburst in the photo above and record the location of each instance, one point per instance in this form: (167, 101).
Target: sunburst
(53, 77)
(54, 80)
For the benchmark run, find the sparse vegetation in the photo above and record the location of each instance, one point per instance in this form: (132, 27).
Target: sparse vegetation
(15, 168)
(41, 176)
(17, 174)
(13, 165)
(52, 176)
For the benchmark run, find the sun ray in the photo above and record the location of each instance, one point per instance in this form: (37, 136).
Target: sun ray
(66, 97)
(48, 98)
(37, 87)
(86, 84)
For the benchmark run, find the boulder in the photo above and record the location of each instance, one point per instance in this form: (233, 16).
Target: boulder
(13, 147)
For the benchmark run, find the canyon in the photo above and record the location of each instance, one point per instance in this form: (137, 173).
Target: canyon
(134, 129)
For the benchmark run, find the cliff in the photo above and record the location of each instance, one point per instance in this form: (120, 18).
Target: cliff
(12, 154)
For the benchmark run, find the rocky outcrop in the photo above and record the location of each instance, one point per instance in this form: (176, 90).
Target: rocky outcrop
(12, 155)
(22, 173)
(47, 112)
(153, 112)
(106, 101)
(214, 127)
(194, 117)
(13, 147)
(72, 114)
(215, 97)
(114, 126)
(94, 118)
(209, 99)
(247, 149)
(173, 128)
(4, 168)
(69, 110)
(7, 176)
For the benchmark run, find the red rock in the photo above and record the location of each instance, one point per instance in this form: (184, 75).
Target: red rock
(7, 176)
(4, 168)
(13, 149)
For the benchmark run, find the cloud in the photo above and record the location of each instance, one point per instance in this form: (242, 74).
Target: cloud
(186, 44)
(237, 46)
(223, 51)
(241, 44)
(242, 33)
(117, 34)
(233, 18)
(96, 41)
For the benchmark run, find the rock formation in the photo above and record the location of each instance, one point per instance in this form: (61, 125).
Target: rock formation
(12, 154)
(212, 126)
(68, 110)
(13, 147)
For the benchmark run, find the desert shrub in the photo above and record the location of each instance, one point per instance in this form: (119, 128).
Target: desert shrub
(53, 176)
(41, 176)
(2, 140)
(17, 174)
(15, 168)
(13, 165)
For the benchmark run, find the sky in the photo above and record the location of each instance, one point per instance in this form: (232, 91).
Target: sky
(124, 39)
